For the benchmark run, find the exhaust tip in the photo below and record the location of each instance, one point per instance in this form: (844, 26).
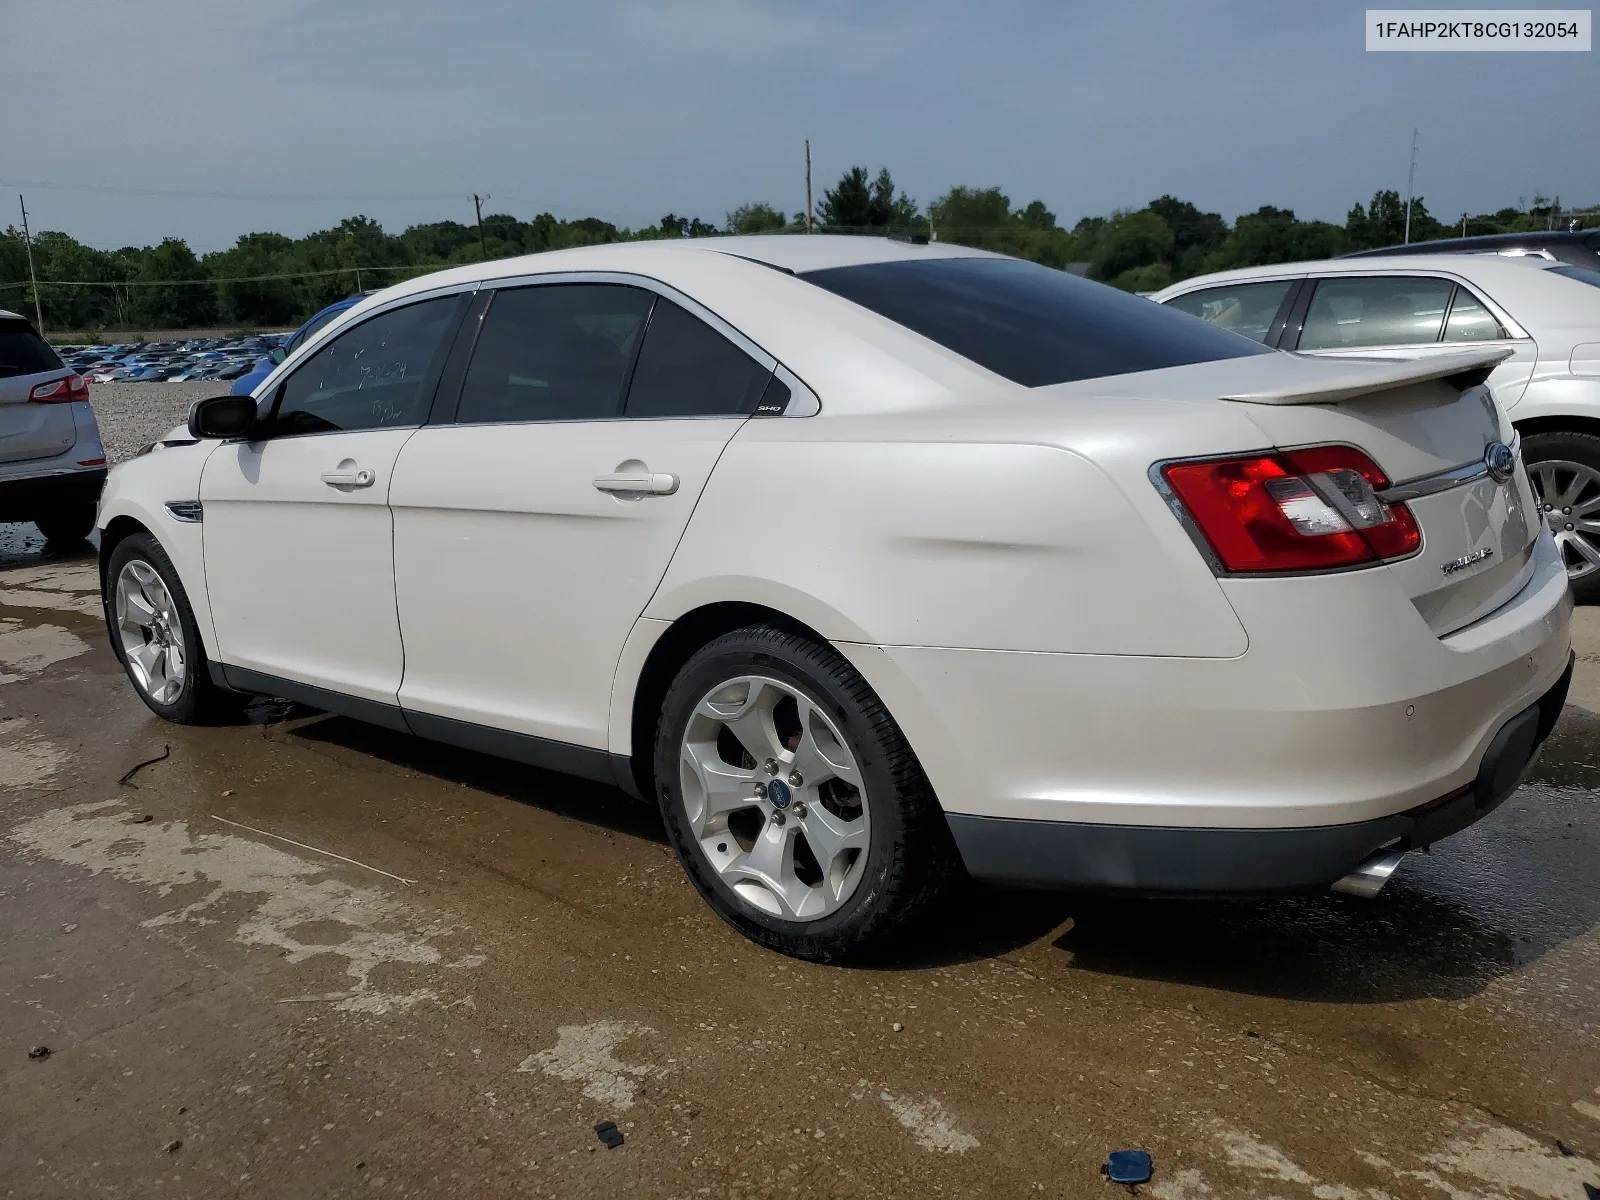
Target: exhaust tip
(1368, 879)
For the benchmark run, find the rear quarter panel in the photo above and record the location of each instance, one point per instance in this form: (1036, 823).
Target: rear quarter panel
(962, 531)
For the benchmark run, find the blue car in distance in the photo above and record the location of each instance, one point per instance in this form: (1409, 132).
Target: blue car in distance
(246, 383)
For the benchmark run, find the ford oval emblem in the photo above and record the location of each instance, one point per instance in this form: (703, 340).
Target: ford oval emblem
(1500, 461)
(778, 794)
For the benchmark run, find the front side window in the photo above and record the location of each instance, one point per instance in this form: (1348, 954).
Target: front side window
(1375, 310)
(554, 352)
(1028, 323)
(688, 369)
(310, 331)
(1247, 308)
(1470, 321)
(371, 376)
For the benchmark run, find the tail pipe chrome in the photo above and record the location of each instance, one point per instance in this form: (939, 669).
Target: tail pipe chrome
(1368, 879)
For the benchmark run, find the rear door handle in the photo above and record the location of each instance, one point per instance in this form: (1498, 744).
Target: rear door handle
(638, 484)
(348, 479)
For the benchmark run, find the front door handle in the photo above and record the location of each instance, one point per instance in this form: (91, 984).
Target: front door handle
(348, 479)
(641, 483)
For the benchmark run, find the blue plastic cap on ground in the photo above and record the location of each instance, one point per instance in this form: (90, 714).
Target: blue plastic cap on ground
(1128, 1166)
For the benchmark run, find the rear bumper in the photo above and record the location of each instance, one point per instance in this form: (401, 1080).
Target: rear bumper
(1155, 859)
(31, 496)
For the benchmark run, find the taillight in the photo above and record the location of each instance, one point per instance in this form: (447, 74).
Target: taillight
(1315, 509)
(60, 391)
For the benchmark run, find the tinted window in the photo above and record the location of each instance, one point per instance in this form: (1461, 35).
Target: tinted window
(558, 352)
(1029, 323)
(688, 369)
(1376, 310)
(1247, 308)
(1581, 274)
(1470, 321)
(371, 376)
(310, 331)
(24, 352)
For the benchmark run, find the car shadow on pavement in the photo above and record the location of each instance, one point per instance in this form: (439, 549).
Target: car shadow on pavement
(565, 795)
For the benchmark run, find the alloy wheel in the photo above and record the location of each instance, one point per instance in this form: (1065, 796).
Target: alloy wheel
(150, 632)
(775, 798)
(1569, 497)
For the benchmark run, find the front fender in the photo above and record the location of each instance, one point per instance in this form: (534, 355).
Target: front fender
(138, 491)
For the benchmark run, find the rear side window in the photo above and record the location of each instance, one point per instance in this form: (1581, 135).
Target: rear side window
(24, 352)
(1247, 308)
(1029, 323)
(1375, 310)
(554, 352)
(1470, 321)
(371, 376)
(688, 369)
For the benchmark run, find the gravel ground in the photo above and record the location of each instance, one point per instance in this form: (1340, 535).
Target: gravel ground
(132, 415)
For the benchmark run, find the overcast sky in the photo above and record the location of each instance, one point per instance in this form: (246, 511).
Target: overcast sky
(629, 109)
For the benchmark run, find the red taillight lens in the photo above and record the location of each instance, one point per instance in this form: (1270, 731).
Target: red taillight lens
(60, 391)
(1296, 510)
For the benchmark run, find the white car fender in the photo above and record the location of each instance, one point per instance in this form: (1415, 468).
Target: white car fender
(172, 473)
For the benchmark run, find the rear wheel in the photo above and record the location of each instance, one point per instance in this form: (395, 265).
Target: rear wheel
(67, 525)
(154, 634)
(1564, 469)
(793, 800)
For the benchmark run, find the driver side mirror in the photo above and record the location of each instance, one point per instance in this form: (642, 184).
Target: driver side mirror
(277, 354)
(222, 417)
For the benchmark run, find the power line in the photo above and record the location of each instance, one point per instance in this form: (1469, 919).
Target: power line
(209, 280)
(110, 190)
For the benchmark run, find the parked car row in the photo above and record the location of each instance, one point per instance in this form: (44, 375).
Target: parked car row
(148, 362)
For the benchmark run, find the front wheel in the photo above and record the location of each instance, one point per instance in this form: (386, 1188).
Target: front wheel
(792, 799)
(155, 636)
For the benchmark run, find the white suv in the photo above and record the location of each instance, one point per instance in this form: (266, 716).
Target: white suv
(1544, 314)
(52, 463)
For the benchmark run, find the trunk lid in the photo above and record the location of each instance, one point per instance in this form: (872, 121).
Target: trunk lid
(29, 431)
(1419, 420)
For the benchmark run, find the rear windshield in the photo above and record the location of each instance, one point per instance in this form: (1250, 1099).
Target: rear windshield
(1029, 323)
(24, 352)
(1581, 274)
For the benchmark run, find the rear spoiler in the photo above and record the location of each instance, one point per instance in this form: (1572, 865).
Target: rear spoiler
(1334, 379)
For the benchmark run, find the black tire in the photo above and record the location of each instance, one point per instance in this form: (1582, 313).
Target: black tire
(67, 526)
(910, 857)
(199, 701)
(1580, 448)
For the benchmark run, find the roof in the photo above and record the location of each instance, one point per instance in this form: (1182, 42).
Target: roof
(1478, 267)
(1488, 241)
(791, 252)
(7, 314)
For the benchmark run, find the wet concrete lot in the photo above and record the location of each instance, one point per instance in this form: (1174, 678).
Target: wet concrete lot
(511, 956)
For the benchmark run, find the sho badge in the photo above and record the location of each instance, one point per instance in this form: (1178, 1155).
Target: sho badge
(1466, 560)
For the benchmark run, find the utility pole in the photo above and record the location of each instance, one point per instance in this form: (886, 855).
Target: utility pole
(483, 246)
(808, 185)
(933, 235)
(1411, 183)
(33, 280)
(1463, 224)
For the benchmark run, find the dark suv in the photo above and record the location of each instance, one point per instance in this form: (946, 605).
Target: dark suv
(1578, 247)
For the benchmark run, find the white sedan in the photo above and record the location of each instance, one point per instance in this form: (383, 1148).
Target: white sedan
(871, 563)
(1544, 314)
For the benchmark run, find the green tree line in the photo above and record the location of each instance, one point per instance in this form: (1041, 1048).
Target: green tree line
(269, 279)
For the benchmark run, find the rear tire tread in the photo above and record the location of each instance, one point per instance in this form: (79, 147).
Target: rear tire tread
(922, 862)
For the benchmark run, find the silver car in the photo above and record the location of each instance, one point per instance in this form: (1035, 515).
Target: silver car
(52, 462)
